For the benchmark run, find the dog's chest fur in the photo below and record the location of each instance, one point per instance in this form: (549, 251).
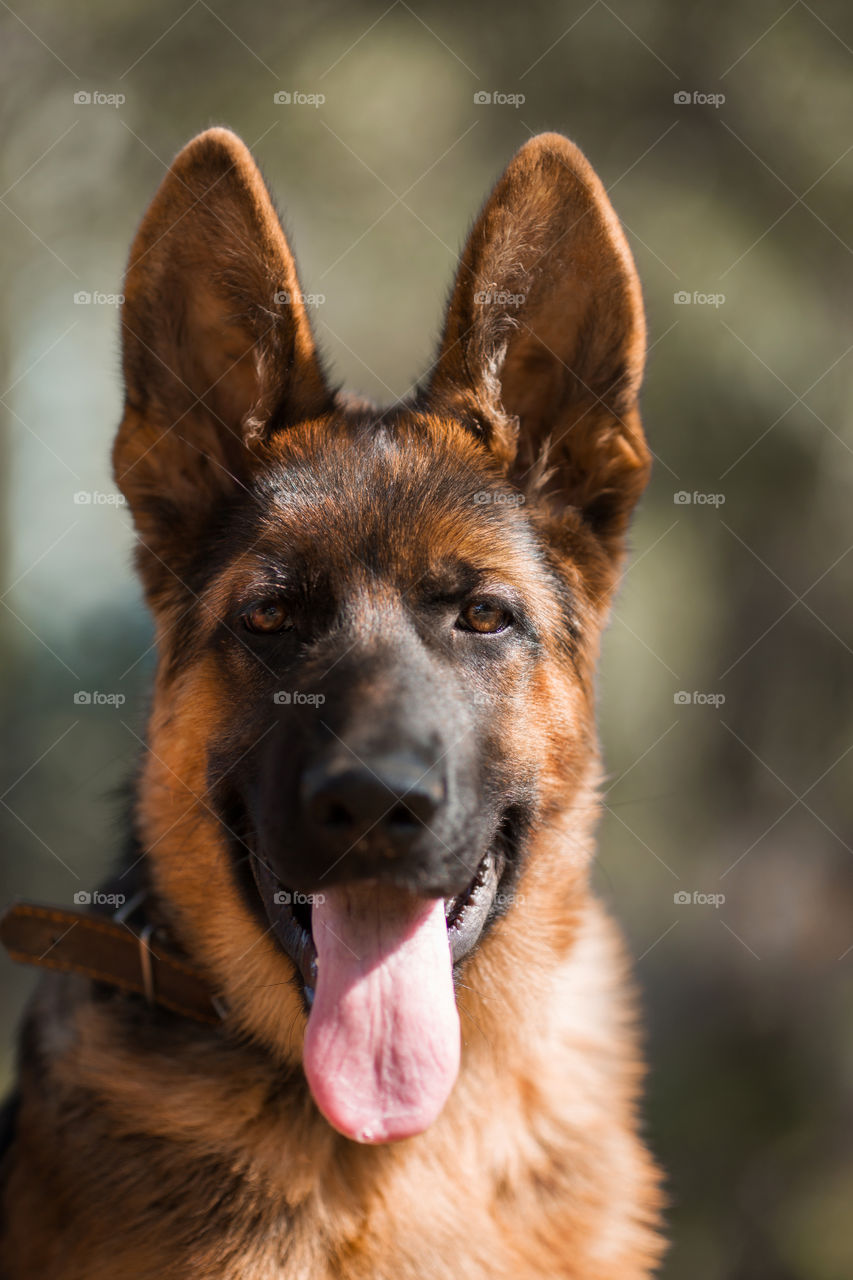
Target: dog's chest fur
(168, 1153)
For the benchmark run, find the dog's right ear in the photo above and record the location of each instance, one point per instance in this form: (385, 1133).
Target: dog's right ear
(217, 348)
(544, 342)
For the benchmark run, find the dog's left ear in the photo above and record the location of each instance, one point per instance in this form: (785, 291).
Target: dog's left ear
(544, 342)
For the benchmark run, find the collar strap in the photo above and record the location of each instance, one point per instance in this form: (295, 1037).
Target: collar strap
(108, 952)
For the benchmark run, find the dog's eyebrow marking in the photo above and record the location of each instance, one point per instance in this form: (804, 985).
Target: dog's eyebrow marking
(449, 579)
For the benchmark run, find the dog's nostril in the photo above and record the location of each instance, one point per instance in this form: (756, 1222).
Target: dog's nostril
(337, 816)
(401, 818)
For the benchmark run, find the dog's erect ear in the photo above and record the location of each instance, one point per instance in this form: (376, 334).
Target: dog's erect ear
(545, 335)
(217, 349)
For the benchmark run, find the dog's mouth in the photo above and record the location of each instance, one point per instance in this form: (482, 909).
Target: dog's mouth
(377, 964)
(290, 915)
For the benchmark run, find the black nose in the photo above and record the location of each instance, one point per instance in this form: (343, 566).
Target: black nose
(386, 802)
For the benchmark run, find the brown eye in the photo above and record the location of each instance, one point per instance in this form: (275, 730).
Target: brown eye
(267, 617)
(483, 617)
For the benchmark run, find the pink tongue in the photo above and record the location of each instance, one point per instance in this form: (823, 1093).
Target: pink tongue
(382, 1043)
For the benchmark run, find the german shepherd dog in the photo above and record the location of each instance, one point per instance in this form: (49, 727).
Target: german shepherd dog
(363, 816)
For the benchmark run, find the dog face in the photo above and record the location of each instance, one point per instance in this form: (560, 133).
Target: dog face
(376, 630)
(370, 748)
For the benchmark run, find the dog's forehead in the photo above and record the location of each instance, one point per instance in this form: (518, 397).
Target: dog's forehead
(405, 499)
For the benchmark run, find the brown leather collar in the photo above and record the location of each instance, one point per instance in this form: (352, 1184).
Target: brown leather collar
(107, 950)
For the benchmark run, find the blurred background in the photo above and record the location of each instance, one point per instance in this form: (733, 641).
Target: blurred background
(724, 136)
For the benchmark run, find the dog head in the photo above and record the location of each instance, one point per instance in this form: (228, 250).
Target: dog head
(372, 730)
